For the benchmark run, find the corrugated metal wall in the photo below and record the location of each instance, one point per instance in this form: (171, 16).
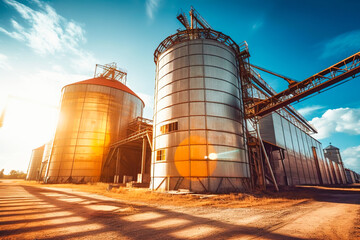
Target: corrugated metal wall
(299, 158)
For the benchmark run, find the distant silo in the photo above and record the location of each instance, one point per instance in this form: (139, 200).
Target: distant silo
(198, 140)
(45, 160)
(93, 114)
(332, 153)
(35, 162)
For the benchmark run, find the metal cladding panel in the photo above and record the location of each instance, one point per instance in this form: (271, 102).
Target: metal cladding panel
(297, 154)
(268, 128)
(310, 158)
(197, 86)
(330, 173)
(299, 162)
(313, 143)
(35, 162)
(290, 152)
(337, 172)
(342, 172)
(333, 172)
(304, 158)
(324, 171)
(348, 176)
(327, 171)
(91, 117)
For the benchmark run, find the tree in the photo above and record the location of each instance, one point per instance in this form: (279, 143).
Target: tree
(13, 174)
(2, 173)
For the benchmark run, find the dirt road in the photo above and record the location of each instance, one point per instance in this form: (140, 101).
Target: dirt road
(28, 212)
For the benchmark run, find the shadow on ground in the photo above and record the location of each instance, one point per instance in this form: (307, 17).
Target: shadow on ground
(81, 215)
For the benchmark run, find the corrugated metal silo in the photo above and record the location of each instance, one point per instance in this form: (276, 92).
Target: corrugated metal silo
(93, 114)
(198, 139)
(35, 162)
(45, 160)
(333, 154)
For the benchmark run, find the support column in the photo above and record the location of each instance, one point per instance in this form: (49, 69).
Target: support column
(142, 176)
(143, 156)
(117, 167)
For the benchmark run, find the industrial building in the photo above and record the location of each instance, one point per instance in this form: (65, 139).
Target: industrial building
(217, 126)
(296, 157)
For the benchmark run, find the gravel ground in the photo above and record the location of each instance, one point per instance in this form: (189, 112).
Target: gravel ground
(32, 212)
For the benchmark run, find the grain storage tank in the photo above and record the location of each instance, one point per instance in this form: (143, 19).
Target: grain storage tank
(333, 154)
(35, 162)
(198, 139)
(93, 114)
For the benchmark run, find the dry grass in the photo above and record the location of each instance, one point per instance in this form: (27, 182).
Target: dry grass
(262, 200)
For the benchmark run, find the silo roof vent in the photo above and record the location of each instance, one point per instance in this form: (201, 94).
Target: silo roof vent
(110, 72)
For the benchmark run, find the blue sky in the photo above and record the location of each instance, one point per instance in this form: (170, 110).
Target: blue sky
(45, 45)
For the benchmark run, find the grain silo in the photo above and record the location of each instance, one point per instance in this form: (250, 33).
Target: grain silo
(336, 164)
(35, 162)
(93, 114)
(198, 139)
(45, 160)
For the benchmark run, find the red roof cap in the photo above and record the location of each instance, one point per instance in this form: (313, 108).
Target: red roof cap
(108, 83)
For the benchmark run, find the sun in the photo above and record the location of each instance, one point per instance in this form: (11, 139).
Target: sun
(32, 122)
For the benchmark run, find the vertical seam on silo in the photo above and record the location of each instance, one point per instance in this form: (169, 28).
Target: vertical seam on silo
(205, 111)
(106, 128)
(153, 157)
(77, 135)
(189, 122)
(243, 122)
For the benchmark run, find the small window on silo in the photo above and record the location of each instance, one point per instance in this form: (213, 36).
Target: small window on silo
(169, 127)
(160, 155)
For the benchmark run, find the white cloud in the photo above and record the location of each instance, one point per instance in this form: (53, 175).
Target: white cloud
(341, 120)
(308, 110)
(47, 32)
(151, 7)
(149, 104)
(351, 158)
(344, 43)
(257, 25)
(4, 64)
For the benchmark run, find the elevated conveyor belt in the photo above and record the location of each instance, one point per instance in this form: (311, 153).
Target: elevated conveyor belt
(340, 72)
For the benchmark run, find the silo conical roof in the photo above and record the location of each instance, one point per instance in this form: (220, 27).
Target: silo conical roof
(331, 147)
(108, 83)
